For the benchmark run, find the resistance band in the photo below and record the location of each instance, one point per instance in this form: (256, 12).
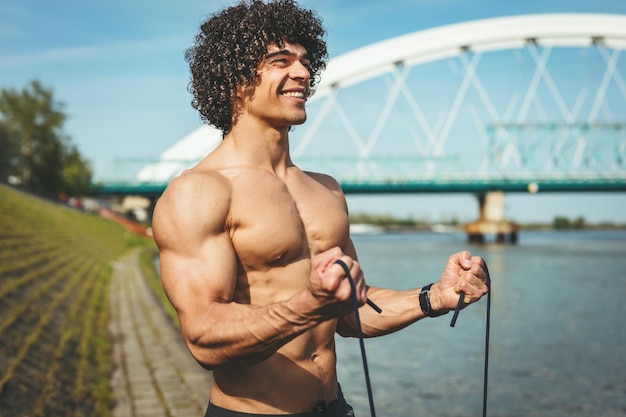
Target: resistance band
(453, 322)
(355, 305)
(455, 316)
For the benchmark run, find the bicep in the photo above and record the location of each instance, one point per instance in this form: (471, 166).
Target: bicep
(197, 276)
(197, 261)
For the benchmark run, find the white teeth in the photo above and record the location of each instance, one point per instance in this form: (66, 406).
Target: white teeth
(298, 94)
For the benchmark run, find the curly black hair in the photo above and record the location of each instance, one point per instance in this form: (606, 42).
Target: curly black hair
(232, 43)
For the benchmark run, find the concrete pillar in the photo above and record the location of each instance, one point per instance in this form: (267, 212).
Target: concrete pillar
(492, 206)
(492, 221)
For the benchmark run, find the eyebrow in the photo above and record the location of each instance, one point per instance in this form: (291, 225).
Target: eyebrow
(286, 52)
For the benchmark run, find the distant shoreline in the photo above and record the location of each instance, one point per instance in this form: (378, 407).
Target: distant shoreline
(385, 224)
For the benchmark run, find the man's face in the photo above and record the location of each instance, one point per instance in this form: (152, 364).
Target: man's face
(280, 95)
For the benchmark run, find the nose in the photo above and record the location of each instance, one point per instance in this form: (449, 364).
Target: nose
(300, 71)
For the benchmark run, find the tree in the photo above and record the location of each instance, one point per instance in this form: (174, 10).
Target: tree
(9, 146)
(561, 222)
(35, 149)
(77, 173)
(579, 223)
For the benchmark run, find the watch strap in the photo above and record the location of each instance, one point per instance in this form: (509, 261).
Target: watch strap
(424, 299)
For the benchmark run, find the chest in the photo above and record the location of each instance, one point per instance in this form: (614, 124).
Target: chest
(275, 222)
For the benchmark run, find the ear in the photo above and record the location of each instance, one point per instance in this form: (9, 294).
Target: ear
(239, 93)
(243, 90)
(238, 100)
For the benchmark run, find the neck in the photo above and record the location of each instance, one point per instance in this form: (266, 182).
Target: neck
(261, 145)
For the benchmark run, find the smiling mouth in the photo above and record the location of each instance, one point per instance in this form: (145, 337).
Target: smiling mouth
(295, 94)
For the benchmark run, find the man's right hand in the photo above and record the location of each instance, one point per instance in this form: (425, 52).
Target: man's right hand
(329, 282)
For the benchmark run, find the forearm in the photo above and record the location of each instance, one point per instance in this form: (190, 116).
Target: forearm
(399, 309)
(231, 334)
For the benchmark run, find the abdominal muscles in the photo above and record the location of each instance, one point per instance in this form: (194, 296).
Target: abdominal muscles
(293, 380)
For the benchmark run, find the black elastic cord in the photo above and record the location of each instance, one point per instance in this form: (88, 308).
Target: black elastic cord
(457, 310)
(486, 373)
(453, 322)
(355, 305)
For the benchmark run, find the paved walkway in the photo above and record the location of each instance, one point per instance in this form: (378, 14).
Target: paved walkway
(155, 375)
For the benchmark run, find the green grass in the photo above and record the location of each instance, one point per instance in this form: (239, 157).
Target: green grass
(150, 272)
(55, 271)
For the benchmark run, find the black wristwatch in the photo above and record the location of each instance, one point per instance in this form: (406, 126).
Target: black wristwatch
(425, 303)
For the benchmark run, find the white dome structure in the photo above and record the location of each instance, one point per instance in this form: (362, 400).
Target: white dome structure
(182, 155)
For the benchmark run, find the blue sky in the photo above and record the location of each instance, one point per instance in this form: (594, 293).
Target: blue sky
(118, 67)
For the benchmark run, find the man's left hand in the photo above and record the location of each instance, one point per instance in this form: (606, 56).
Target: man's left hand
(462, 272)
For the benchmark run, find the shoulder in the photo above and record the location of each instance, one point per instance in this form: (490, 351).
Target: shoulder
(191, 182)
(195, 187)
(194, 204)
(326, 180)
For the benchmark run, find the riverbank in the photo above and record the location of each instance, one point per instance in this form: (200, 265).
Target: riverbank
(363, 223)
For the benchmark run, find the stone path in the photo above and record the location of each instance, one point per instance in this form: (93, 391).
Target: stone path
(155, 375)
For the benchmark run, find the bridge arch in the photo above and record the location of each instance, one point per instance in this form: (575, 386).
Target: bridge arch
(563, 29)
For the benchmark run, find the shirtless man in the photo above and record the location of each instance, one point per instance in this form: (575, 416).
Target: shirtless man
(248, 241)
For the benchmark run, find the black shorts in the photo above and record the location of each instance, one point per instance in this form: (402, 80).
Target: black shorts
(337, 408)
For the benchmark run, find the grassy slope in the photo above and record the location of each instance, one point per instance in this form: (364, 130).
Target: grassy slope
(150, 272)
(55, 270)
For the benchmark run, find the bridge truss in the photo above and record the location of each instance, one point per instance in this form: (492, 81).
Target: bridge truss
(512, 103)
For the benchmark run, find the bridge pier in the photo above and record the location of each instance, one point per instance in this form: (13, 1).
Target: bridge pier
(491, 221)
